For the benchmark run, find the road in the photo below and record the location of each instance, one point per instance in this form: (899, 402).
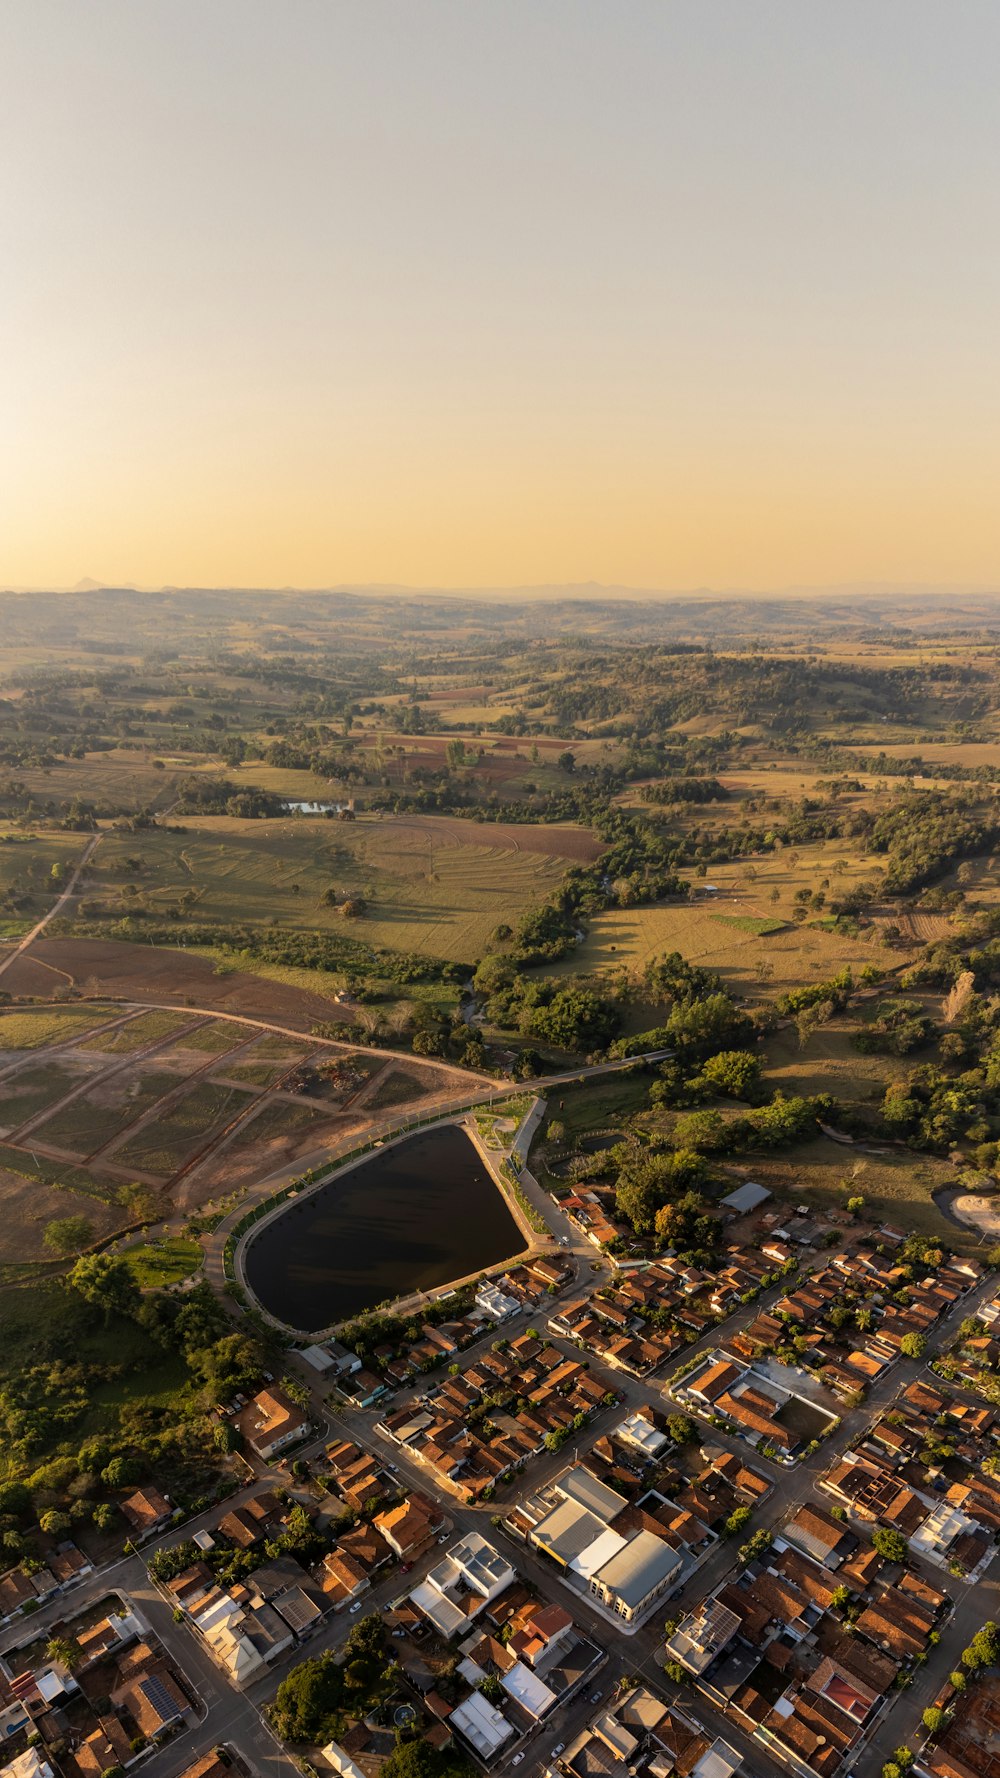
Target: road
(57, 906)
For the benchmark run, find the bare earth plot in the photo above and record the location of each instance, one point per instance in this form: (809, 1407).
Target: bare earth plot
(147, 1096)
(147, 972)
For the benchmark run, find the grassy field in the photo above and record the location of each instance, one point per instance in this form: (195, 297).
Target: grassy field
(123, 778)
(163, 1144)
(157, 1264)
(43, 1026)
(27, 860)
(93, 1119)
(442, 899)
(896, 1184)
(748, 963)
(149, 1027)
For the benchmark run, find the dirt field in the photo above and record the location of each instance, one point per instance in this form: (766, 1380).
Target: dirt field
(144, 972)
(152, 1099)
(29, 1205)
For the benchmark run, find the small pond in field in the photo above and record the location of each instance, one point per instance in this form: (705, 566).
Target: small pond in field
(410, 1217)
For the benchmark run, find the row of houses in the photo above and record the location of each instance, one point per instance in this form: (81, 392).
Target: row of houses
(919, 1469)
(646, 1314)
(249, 1621)
(517, 1659)
(122, 1694)
(475, 1429)
(624, 1554)
(804, 1649)
(396, 1363)
(638, 1734)
(774, 1406)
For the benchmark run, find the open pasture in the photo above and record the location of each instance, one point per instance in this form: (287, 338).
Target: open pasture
(426, 889)
(896, 1184)
(717, 929)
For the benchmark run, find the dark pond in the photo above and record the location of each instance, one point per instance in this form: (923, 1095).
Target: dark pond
(410, 1218)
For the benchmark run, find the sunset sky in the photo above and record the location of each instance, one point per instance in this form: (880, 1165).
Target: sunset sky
(665, 293)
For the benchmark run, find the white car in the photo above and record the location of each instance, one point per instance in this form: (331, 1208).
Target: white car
(558, 1748)
(356, 1607)
(516, 1761)
(445, 1538)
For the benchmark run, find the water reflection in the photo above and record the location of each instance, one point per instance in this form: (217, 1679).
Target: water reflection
(409, 1218)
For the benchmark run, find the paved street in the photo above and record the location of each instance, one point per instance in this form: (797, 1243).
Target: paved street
(235, 1718)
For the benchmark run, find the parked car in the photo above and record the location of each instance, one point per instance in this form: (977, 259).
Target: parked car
(445, 1538)
(357, 1606)
(558, 1748)
(516, 1761)
(595, 1697)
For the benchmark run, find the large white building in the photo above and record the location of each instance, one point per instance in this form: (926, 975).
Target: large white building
(455, 1590)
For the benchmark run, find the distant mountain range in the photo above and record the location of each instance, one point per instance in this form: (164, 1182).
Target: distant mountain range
(588, 612)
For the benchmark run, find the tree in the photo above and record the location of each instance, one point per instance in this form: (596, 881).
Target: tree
(855, 1206)
(53, 1523)
(415, 1759)
(567, 761)
(107, 1283)
(734, 1072)
(933, 1719)
(755, 1546)
(737, 1521)
(913, 1345)
(686, 1224)
(121, 1472)
(681, 1429)
(891, 1545)
(841, 1597)
(67, 1234)
(64, 1651)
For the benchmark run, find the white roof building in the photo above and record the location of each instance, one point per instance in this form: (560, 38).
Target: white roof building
(484, 1727)
(528, 1690)
(641, 1433)
(341, 1761)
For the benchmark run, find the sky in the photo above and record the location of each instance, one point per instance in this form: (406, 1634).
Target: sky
(660, 293)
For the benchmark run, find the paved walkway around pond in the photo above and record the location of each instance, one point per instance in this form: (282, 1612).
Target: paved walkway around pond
(392, 1129)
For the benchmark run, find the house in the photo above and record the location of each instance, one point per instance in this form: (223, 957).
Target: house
(821, 1536)
(409, 1528)
(455, 1590)
(147, 1510)
(271, 1422)
(147, 1689)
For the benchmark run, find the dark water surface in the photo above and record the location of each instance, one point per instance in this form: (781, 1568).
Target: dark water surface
(411, 1217)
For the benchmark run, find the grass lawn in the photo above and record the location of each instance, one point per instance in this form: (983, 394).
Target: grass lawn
(149, 1027)
(600, 1104)
(159, 1263)
(425, 892)
(37, 1028)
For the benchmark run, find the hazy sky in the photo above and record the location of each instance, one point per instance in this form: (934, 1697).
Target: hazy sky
(662, 292)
